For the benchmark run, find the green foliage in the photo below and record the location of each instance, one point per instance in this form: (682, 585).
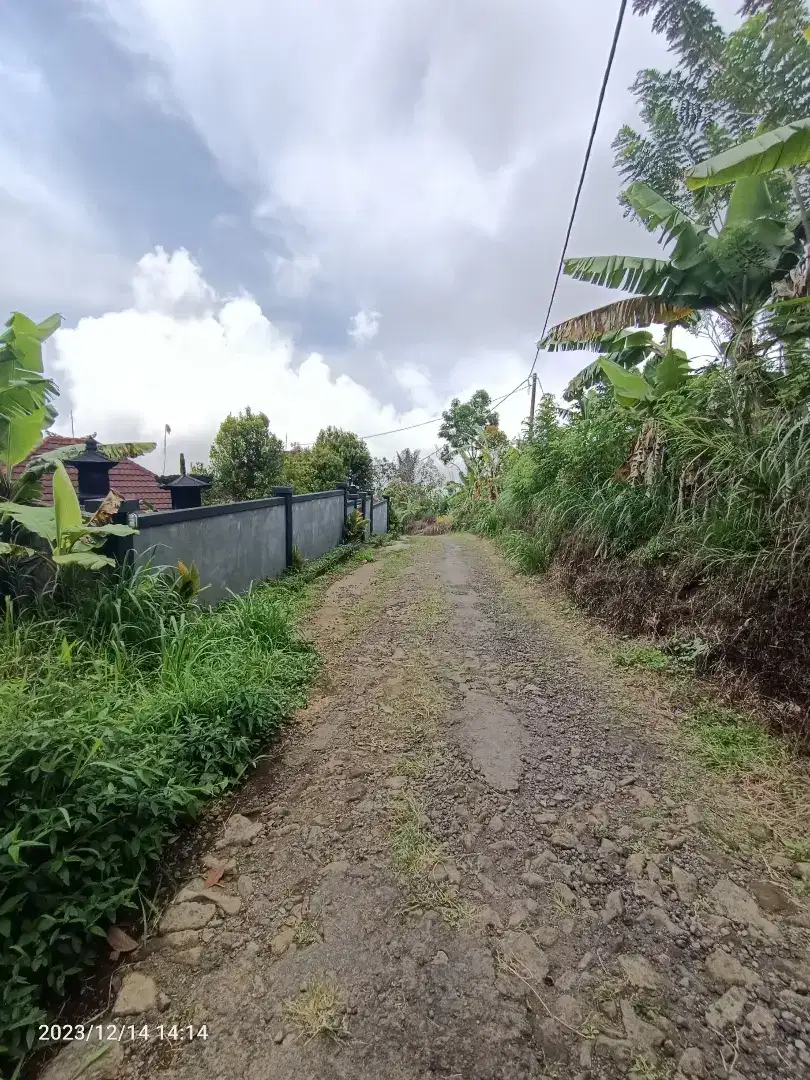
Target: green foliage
(25, 398)
(121, 713)
(66, 539)
(298, 561)
(723, 89)
(319, 468)
(464, 424)
(355, 529)
(728, 495)
(648, 657)
(246, 458)
(353, 452)
(726, 740)
(783, 148)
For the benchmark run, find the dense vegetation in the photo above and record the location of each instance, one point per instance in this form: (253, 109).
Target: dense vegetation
(124, 707)
(248, 461)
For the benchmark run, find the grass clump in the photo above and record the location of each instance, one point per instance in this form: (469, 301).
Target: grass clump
(318, 1010)
(648, 657)
(415, 853)
(307, 932)
(122, 711)
(728, 741)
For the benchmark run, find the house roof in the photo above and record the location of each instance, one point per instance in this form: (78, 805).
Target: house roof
(127, 477)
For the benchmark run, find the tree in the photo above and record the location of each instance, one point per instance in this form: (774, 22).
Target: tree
(723, 88)
(407, 465)
(246, 458)
(352, 451)
(409, 468)
(464, 426)
(383, 472)
(319, 468)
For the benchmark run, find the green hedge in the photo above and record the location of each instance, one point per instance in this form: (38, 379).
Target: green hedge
(108, 746)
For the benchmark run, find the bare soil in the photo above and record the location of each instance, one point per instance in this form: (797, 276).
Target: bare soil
(479, 854)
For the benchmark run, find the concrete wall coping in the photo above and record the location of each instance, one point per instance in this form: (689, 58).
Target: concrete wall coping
(197, 513)
(337, 493)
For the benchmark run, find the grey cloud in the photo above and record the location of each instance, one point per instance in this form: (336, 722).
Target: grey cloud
(414, 160)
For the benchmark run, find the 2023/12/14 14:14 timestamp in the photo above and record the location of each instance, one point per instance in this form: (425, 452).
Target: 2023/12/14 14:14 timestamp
(120, 1032)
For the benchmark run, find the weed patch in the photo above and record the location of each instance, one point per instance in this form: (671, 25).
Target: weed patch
(648, 657)
(726, 740)
(318, 1010)
(415, 853)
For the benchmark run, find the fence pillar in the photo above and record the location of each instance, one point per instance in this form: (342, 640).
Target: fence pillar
(344, 487)
(287, 493)
(371, 514)
(368, 503)
(387, 499)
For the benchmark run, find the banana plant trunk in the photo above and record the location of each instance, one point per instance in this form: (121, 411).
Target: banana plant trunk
(647, 455)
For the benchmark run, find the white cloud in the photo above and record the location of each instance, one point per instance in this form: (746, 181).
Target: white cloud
(190, 364)
(364, 326)
(170, 283)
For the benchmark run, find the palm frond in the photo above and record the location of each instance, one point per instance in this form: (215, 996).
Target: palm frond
(782, 148)
(592, 325)
(628, 272)
(659, 213)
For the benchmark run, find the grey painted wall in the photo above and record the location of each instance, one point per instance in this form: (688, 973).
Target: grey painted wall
(241, 544)
(380, 517)
(317, 523)
(231, 550)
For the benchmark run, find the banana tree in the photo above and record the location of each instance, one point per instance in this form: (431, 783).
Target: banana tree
(625, 348)
(26, 411)
(25, 393)
(65, 538)
(730, 274)
(783, 148)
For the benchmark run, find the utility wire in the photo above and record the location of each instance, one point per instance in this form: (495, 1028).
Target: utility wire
(435, 420)
(595, 125)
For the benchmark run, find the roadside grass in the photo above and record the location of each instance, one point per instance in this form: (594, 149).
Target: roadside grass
(649, 657)
(726, 740)
(123, 711)
(318, 1010)
(419, 763)
(415, 853)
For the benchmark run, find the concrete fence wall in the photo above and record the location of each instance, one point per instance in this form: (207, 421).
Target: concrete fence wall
(238, 544)
(317, 522)
(379, 520)
(232, 545)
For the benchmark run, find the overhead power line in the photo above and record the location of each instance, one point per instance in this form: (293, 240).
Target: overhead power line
(435, 420)
(594, 126)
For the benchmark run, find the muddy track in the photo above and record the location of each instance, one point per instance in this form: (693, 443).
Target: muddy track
(471, 861)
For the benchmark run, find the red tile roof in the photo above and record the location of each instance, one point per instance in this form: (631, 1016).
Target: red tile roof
(127, 477)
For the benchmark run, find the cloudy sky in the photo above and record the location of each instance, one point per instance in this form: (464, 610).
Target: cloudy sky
(336, 211)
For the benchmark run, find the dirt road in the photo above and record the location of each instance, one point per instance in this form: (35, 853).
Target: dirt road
(470, 859)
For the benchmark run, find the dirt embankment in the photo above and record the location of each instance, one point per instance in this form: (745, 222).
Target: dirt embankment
(756, 631)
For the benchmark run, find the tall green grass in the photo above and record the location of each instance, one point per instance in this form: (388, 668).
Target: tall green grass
(122, 711)
(745, 509)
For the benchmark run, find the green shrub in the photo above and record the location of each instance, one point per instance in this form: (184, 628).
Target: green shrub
(355, 529)
(118, 721)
